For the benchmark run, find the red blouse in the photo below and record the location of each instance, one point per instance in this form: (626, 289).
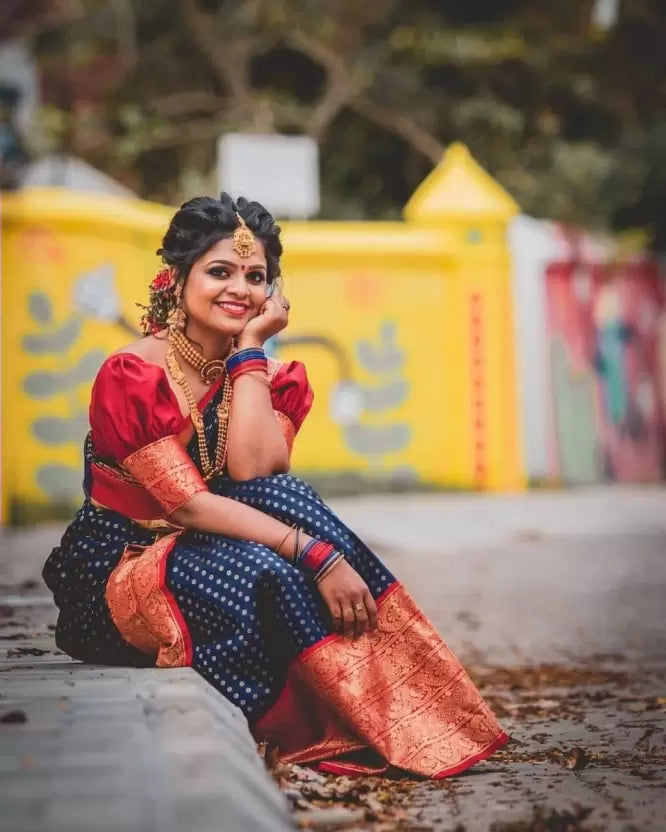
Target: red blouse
(132, 404)
(135, 419)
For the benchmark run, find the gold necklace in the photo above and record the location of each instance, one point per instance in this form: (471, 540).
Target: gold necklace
(223, 410)
(209, 371)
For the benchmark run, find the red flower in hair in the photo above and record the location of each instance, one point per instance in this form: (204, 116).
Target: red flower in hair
(162, 280)
(162, 301)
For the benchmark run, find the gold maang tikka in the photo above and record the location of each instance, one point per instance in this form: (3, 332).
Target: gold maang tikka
(244, 243)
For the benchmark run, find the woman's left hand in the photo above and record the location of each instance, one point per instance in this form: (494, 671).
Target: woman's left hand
(349, 601)
(273, 318)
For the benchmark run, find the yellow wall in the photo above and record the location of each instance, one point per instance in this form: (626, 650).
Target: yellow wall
(419, 312)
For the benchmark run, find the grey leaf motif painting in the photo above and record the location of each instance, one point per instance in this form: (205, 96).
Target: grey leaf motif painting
(42, 384)
(386, 391)
(53, 337)
(55, 430)
(377, 440)
(95, 294)
(59, 482)
(383, 355)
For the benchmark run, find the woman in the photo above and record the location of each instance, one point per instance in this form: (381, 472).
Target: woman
(196, 547)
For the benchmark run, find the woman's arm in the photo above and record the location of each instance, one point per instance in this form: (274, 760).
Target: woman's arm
(344, 592)
(207, 512)
(257, 447)
(256, 443)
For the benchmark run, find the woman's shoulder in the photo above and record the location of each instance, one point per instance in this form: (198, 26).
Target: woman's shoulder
(141, 361)
(131, 403)
(150, 350)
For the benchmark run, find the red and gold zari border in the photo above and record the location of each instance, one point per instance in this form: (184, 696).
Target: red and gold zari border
(288, 429)
(144, 609)
(167, 472)
(398, 691)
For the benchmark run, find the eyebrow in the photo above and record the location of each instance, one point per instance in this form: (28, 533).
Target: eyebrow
(256, 266)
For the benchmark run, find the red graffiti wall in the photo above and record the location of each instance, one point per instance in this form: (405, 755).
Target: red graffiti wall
(607, 351)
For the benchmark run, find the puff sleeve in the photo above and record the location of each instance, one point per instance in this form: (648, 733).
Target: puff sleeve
(131, 406)
(292, 397)
(135, 421)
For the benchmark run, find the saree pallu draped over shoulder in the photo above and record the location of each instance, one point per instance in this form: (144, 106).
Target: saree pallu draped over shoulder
(131, 589)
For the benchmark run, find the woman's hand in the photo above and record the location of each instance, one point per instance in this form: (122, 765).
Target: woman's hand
(273, 318)
(348, 599)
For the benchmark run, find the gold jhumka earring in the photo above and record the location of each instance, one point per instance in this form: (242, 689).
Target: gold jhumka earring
(177, 318)
(244, 243)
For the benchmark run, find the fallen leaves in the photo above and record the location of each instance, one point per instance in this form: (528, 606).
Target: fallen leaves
(540, 676)
(329, 802)
(549, 820)
(577, 759)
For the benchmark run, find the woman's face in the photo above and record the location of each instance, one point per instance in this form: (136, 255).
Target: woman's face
(224, 291)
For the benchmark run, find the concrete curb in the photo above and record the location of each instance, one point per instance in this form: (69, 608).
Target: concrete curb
(124, 749)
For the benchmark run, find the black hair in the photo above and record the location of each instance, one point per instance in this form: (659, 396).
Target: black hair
(203, 221)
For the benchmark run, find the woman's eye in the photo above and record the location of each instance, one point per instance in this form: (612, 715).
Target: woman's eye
(256, 277)
(218, 271)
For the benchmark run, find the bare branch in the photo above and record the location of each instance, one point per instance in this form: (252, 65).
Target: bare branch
(126, 33)
(190, 101)
(400, 125)
(340, 86)
(230, 64)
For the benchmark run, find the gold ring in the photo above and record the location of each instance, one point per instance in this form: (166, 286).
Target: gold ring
(359, 607)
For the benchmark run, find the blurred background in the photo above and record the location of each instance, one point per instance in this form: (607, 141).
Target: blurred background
(472, 201)
(471, 197)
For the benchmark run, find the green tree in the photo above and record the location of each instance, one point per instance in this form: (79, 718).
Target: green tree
(570, 120)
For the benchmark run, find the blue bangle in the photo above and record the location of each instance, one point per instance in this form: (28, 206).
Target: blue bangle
(298, 560)
(250, 354)
(328, 564)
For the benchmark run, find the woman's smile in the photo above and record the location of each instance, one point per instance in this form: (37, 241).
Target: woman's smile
(233, 308)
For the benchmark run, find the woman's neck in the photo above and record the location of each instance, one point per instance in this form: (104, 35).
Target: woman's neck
(214, 344)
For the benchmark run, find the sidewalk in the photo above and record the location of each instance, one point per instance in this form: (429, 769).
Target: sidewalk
(91, 749)
(555, 602)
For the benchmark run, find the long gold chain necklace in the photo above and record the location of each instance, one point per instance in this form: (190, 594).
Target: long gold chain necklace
(223, 409)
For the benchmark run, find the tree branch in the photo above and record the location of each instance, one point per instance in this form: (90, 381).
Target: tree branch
(230, 64)
(400, 125)
(126, 33)
(340, 87)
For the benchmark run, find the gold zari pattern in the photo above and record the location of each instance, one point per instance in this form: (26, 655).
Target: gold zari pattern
(166, 471)
(398, 690)
(143, 609)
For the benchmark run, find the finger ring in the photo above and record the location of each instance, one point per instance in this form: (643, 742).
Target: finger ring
(358, 607)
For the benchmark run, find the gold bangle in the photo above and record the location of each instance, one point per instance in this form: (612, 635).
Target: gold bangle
(329, 568)
(298, 547)
(282, 542)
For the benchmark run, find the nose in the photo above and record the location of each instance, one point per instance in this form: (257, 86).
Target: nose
(237, 285)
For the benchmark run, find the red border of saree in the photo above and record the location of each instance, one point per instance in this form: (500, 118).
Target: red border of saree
(144, 609)
(398, 691)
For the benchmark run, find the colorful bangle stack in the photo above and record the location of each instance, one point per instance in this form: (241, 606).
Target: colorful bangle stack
(318, 558)
(251, 360)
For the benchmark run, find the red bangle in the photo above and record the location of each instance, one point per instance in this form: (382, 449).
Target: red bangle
(252, 366)
(316, 555)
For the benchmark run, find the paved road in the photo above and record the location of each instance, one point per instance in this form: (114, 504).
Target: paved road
(554, 601)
